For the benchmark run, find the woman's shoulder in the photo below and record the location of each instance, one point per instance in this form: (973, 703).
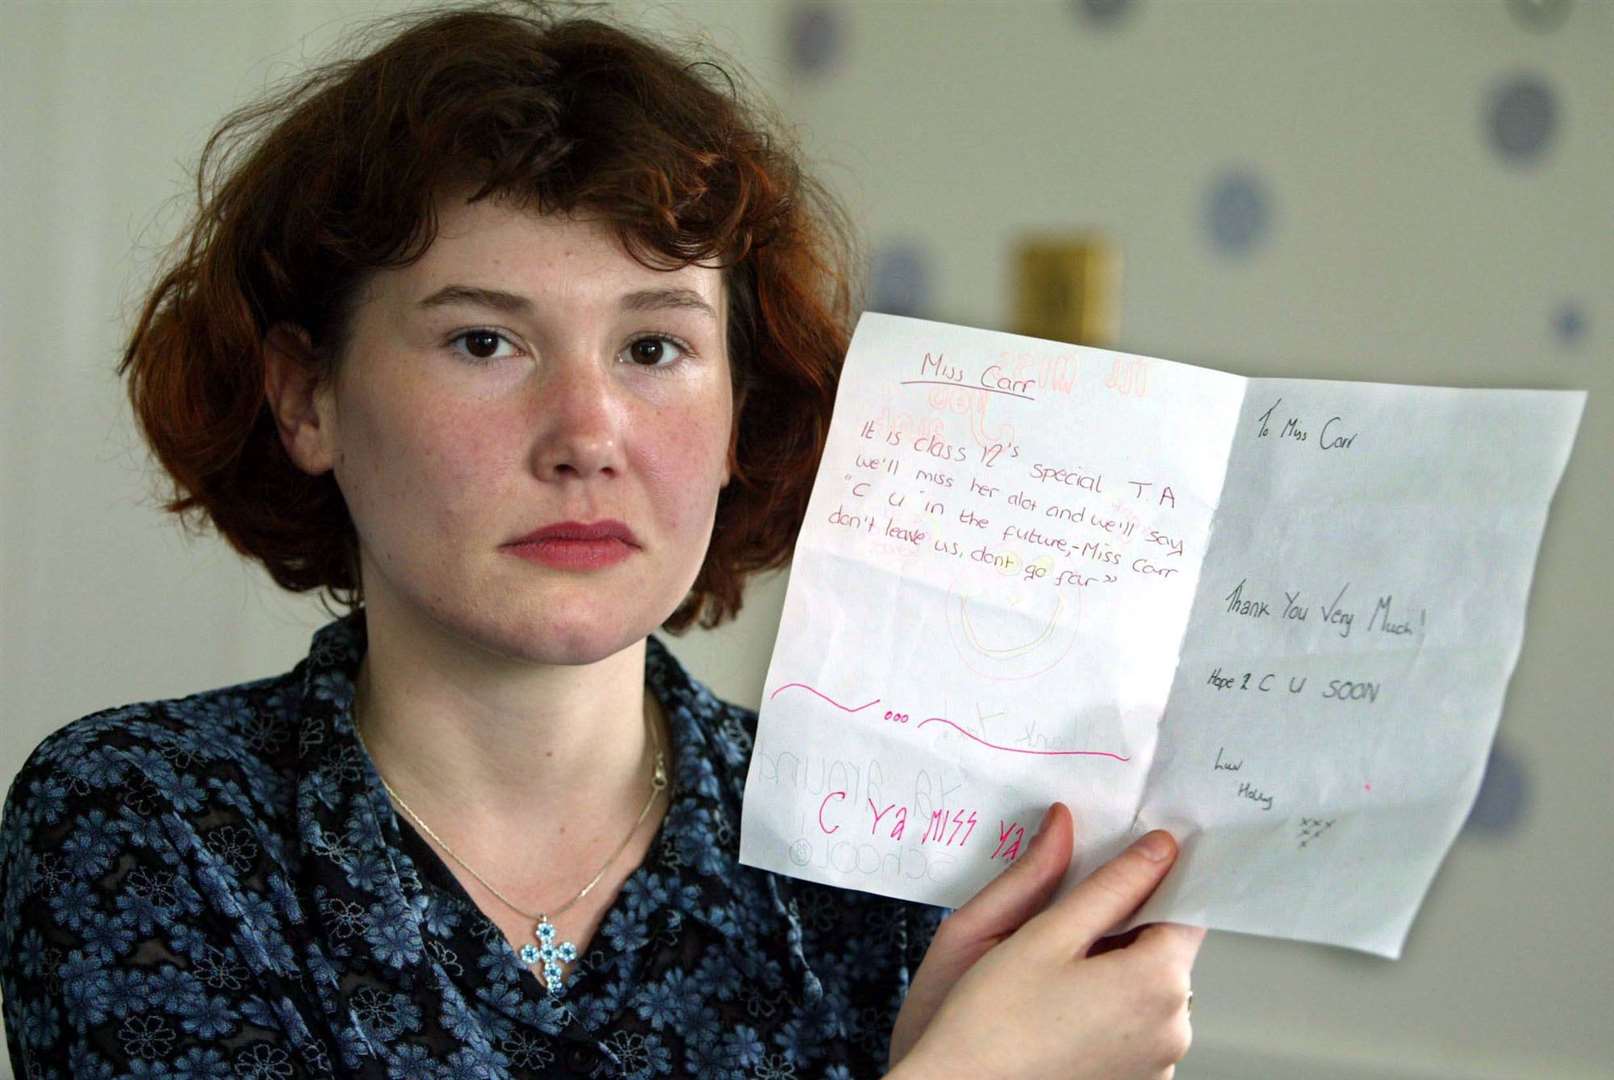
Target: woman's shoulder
(733, 731)
(179, 754)
(224, 725)
(728, 729)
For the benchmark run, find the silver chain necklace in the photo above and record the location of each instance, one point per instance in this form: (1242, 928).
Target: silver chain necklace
(548, 951)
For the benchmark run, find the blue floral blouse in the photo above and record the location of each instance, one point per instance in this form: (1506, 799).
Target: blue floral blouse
(217, 886)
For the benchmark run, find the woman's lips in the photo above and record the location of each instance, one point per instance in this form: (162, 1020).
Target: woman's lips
(576, 545)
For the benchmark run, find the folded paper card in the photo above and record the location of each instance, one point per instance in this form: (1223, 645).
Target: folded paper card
(1274, 616)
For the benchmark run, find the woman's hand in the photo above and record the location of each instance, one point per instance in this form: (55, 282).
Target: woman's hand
(1006, 991)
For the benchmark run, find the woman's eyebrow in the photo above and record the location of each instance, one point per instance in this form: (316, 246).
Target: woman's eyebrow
(510, 303)
(507, 302)
(657, 299)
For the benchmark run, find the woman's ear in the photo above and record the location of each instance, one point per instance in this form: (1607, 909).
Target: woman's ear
(300, 398)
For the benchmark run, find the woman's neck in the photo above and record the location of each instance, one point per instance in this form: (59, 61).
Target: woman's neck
(483, 746)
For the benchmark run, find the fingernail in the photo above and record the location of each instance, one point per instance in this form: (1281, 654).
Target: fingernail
(1047, 816)
(1154, 847)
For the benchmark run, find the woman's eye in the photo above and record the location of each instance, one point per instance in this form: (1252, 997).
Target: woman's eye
(655, 351)
(481, 346)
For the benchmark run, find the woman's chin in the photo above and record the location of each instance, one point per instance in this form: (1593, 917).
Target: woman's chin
(569, 641)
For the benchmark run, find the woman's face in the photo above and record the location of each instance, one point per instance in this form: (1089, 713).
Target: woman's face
(528, 376)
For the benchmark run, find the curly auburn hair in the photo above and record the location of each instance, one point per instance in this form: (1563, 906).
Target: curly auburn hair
(305, 193)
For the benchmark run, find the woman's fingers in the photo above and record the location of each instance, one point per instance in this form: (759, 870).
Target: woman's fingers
(991, 915)
(1113, 892)
(1177, 933)
(1022, 890)
(1034, 1004)
(1173, 940)
(1156, 972)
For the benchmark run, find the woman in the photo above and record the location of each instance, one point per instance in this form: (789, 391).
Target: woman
(519, 336)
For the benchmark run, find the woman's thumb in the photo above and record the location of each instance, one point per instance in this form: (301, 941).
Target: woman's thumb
(1022, 890)
(991, 915)
(1112, 892)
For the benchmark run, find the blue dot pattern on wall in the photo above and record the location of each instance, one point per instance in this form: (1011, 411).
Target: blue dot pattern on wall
(1238, 212)
(1569, 323)
(899, 280)
(816, 36)
(1504, 794)
(1522, 118)
(1104, 12)
(1539, 15)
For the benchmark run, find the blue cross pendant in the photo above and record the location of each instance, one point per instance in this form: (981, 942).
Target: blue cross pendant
(550, 954)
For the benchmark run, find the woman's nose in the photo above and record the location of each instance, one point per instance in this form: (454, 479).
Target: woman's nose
(579, 423)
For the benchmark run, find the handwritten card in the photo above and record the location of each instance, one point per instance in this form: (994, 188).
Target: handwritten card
(1275, 616)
